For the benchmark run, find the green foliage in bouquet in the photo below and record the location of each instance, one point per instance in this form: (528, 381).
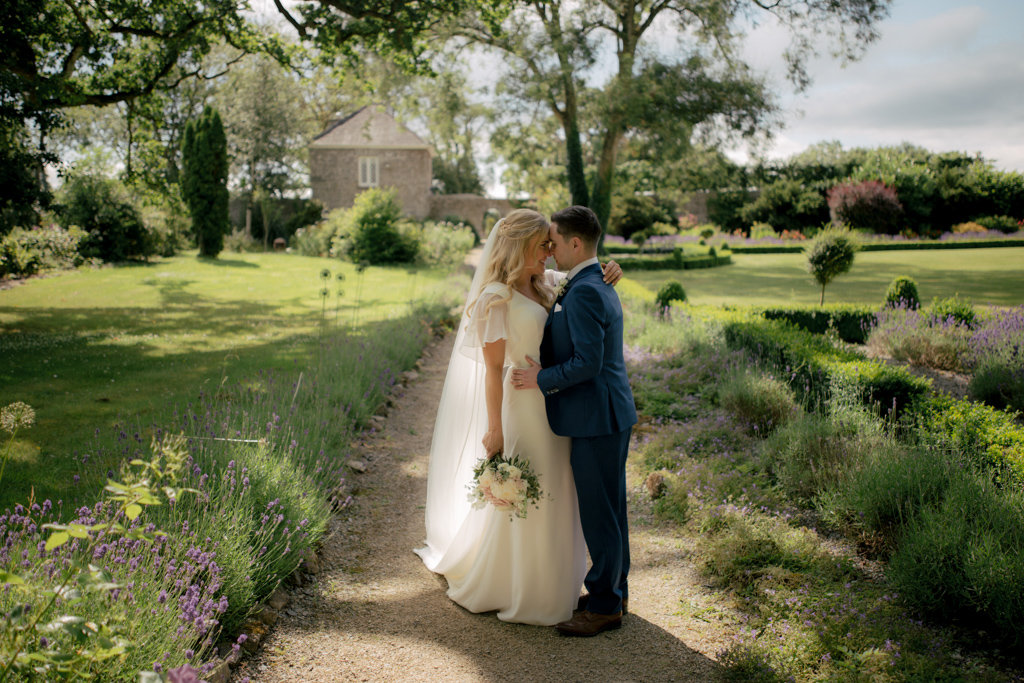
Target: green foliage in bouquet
(509, 485)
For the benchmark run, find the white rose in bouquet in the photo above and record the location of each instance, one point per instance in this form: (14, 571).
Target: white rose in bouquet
(508, 485)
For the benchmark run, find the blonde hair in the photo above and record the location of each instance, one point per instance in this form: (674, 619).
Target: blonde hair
(516, 233)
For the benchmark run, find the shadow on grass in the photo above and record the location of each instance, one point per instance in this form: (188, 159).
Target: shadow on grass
(85, 386)
(228, 263)
(180, 311)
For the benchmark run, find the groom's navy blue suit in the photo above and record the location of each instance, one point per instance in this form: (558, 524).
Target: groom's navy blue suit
(588, 398)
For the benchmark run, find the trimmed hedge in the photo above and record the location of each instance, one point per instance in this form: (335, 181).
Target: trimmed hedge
(677, 261)
(984, 436)
(978, 433)
(883, 246)
(634, 249)
(851, 322)
(816, 369)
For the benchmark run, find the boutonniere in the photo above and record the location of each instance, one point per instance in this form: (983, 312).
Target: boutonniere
(562, 288)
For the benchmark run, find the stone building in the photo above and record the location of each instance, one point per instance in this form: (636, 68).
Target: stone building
(369, 148)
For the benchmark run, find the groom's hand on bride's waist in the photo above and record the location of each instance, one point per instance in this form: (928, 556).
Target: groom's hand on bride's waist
(526, 378)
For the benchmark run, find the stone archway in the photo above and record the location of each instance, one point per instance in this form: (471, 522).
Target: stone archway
(469, 208)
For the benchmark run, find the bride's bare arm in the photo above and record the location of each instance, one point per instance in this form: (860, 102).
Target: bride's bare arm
(612, 272)
(494, 362)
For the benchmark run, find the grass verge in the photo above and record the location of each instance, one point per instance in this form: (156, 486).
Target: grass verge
(986, 276)
(265, 443)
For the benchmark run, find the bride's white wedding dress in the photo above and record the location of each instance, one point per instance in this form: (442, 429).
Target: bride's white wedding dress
(529, 570)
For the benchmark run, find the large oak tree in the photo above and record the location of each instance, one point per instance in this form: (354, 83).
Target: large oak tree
(558, 47)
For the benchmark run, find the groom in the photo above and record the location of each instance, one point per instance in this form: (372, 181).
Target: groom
(587, 395)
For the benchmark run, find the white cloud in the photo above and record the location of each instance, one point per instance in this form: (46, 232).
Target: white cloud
(948, 80)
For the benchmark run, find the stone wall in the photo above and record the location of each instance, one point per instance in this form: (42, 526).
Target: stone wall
(470, 208)
(334, 176)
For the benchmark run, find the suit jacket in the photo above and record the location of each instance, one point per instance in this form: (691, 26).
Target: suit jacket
(586, 390)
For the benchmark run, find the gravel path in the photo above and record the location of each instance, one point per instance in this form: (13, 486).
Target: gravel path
(375, 613)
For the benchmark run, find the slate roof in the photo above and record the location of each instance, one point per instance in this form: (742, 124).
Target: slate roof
(369, 127)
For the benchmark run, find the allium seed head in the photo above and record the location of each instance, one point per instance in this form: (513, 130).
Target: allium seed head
(17, 416)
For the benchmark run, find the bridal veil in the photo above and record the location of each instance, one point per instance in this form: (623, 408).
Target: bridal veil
(456, 445)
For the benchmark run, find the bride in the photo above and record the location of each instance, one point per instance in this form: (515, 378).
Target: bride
(529, 570)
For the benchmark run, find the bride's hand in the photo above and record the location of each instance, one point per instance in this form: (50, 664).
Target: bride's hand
(612, 273)
(493, 442)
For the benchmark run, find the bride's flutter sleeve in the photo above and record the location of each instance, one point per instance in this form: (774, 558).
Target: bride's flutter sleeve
(488, 318)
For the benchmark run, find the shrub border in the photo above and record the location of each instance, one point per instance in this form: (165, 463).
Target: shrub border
(673, 262)
(884, 246)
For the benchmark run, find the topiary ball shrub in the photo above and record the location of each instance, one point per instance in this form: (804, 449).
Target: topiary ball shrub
(903, 292)
(868, 205)
(669, 292)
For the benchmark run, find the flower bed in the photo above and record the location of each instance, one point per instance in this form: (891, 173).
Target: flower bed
(918, 500)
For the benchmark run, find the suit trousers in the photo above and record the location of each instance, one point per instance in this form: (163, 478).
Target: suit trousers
(599, 470)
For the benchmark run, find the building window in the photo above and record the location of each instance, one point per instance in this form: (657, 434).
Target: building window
(368, 172)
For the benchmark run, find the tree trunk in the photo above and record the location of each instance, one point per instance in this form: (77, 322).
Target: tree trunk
(601, 199)
(580, 196)
(266, 222)
(821, 302)
(628, 34)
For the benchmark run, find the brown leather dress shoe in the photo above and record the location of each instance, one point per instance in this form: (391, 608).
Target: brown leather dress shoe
(585, 599)
(584, 623)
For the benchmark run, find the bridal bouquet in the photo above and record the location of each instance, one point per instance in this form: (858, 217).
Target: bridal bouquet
(508, 485)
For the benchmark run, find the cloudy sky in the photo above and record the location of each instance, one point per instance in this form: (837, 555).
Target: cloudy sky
(945, 75)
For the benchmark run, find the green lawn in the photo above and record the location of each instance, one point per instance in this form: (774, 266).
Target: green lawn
(94, 348)
(985, 276)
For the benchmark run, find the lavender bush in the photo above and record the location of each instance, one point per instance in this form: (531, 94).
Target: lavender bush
(916, 336)
(996, 357)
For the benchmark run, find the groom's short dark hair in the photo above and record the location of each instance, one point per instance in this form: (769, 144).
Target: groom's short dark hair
(578, 221)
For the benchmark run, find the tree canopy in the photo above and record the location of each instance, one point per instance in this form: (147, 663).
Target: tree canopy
(557, 49)
(60, 55)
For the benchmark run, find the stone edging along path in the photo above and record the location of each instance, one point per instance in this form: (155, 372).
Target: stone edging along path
(373, 612)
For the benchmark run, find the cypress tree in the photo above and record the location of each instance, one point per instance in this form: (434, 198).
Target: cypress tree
(204, 180)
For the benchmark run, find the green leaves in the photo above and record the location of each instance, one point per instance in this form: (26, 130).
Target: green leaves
(13, 579)
(829, 255)
(90, 641)
(56, 540)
